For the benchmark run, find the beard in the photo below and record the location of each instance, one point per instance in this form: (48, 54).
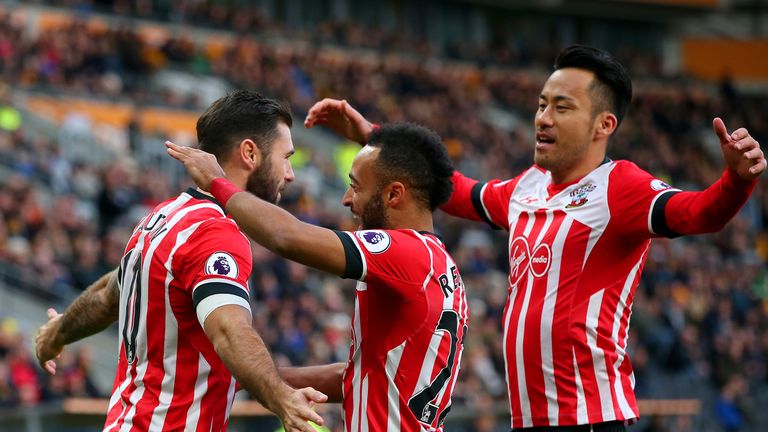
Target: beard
(263, 184)
(374, 216)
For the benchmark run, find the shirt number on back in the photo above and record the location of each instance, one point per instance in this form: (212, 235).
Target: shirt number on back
(130, 279)
(425, 403)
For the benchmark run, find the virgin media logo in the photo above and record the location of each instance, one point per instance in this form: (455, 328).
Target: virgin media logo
(522, 259)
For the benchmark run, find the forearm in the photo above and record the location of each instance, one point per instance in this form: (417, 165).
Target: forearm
(91, 312)
(247, 358)
(269, 225)
(326, 378)
(283, 234)
(711, 209)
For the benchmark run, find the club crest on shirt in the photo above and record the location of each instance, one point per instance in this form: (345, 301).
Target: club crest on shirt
(376, 241)
(579, 195)
(659, 185)
(222, 264)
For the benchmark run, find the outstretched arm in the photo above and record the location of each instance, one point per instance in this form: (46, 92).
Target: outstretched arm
(342, 118)
(267, 224)
(326, 378)
(91, 312)
(243, 352)
(711, 209)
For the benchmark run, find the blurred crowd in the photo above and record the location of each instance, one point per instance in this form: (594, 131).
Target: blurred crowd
(701, 310)
(22, 383)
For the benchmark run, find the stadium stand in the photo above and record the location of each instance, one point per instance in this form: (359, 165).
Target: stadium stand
(71, 186)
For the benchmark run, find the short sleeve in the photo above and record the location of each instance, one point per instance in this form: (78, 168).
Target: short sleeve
(491, 201)
(214, 266)
(637, 200)
(398, 259)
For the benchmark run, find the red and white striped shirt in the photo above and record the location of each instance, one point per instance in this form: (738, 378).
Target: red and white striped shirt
(576, 256)
(407, 336)
(184, 260)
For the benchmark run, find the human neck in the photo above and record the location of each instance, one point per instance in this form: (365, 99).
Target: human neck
(574, 173)
(415, 220)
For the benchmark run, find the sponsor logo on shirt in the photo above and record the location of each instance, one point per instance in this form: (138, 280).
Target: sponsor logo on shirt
(659, 185)
(222, 264)
(376, 241)
(522, 260)
(579, 195)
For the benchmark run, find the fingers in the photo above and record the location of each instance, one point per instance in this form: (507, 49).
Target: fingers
(314, 417)
(754, 154)
(739, 134)
(314, 395)
(759, 167)
(50, 367)
(720, 130)
(176, 151)
(746, 142)
(318, 112)
(52, 313)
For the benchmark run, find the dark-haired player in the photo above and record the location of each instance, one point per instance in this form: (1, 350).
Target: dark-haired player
(580, 226)
(410, 308)
(181, 293)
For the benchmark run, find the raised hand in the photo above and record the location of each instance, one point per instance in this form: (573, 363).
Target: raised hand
(201, 166)
(296, 410)
(47, 348)
(341, 118)
(741, 152)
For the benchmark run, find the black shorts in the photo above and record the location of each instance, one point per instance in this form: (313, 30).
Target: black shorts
(611, 426)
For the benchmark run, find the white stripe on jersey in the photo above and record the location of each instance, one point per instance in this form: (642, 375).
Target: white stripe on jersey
(431, 262)
(136, 396)
(522, 385)
(547, 319)
(356, 359)
(482, 203)
(393, 394)
(201, 386)
(115, 399)
(598, 356)
(230, 396)
(364, 405)
(581, 401)
(618, 386)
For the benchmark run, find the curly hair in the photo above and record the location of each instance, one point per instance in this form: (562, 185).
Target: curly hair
(417, 157)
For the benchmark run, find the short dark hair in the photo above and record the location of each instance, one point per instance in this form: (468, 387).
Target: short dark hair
(415, 156)
(239, 115)
(612, 85)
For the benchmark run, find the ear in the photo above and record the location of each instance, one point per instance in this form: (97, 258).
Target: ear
(394, 194)
(249, 153)
(605, 124)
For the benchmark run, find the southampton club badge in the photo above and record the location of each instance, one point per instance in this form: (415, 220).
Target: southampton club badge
(221, 263)
(376, 241)
(579, 196)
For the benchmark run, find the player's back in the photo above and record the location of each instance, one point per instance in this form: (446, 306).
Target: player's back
(169, 376)
(407, 338)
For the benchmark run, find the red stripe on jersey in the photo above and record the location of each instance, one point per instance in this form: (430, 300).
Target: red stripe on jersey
(185, 379)
(571, 263)
(531, 331)
(512, 311)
